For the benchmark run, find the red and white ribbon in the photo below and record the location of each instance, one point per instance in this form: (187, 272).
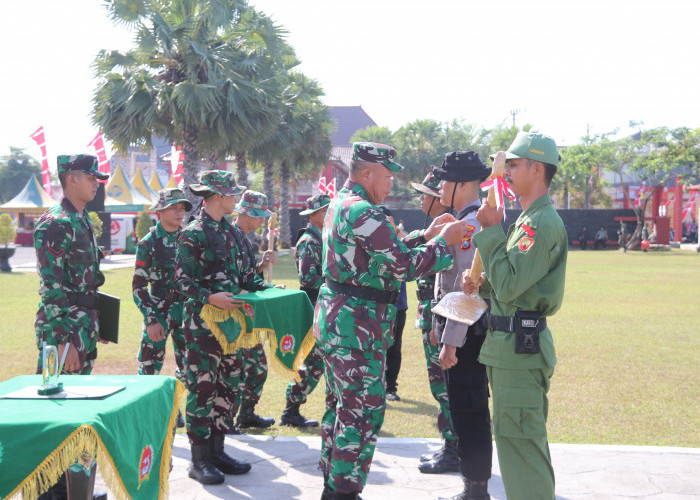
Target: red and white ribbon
(38, 137)
(101, 155)
(501, 188)
(177, 158)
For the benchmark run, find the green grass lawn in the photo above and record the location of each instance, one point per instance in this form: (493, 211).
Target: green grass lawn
(627, 340)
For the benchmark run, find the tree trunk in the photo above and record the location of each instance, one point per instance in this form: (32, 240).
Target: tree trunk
(269, 189)
(241, 169)
(191, 168)
(213, 160)
(284, 233)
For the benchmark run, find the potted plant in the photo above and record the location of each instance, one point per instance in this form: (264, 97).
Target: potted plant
(8, 233)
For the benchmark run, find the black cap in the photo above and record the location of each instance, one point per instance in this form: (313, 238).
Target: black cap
(462, 166)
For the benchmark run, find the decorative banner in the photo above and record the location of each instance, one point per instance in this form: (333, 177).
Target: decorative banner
(177, 158)
(330, 188)
(640, 194)
(99, 146)
(689, 207)
(322, 185)
(38, 137)
(501, 188)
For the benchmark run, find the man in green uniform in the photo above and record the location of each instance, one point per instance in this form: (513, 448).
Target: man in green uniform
(364, 263)
(208, 271)
(445, 459)
(307, 255)
(68, 263)
(251, 213)
(525, 269)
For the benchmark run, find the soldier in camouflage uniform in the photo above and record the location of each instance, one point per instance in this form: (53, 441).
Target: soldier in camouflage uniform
(446, 459)
(208, 271)
(307, 255)
(363, 264)
(251, 213)
(68, 263)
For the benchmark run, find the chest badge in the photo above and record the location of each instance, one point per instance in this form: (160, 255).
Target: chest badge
(525, 243)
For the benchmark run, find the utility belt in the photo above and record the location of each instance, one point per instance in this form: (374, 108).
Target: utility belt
(169, 294)
(312, 293)
(89, 300)
(424, 294)
(364, 292)
(526, 325)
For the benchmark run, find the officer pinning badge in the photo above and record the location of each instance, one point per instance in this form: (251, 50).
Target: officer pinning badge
(525, 243)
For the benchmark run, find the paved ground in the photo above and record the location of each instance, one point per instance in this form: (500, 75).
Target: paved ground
(24, 260)
(285, 468)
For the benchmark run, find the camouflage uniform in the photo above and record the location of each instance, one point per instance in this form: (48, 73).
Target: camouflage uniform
(425, 291)
(155, 265)
(254, 367)
(361, 249)
(68, 263)
(208, 261)
(307, 255)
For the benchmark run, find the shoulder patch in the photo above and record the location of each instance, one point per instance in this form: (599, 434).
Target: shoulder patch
(525, 243)
(466, 243)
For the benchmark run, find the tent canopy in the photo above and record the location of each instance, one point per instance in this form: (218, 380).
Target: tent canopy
(139, 182)
(122, 196)
(31, 200)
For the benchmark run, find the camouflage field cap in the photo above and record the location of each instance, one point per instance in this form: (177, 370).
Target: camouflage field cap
(430, 185)
(217, 181)
(84, 163)
(316, 203)
(170, 196)
(376, 153)
(253, 204)
(538, 147)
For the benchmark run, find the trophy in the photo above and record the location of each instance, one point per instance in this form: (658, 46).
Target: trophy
(50, 370)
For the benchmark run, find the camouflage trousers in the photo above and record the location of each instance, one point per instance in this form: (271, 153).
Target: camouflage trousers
(355, 404)
(309, 373)
(212, 379)
(253, 376)
(151, 354)
(84, 325)
(436, 378)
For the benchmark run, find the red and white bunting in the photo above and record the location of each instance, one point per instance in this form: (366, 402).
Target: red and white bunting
(330, 188)
(322, 185)
(177, 158)
(99, 146)
(689, 207)
(38, 137)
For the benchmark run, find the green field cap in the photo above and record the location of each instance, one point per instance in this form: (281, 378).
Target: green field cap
(538, 147)
(376, 153)
(83, 163)
(168, 197)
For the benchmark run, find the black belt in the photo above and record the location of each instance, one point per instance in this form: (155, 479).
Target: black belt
(425, 294)
(508, 323)
(91, 301)
(311, 292)
(364, 292)
(168, 294)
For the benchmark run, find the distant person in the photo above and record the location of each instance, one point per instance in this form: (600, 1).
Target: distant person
(601, 238)
(583, 238)
(622, 237)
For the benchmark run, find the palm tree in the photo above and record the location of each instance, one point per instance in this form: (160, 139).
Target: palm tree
(199, 74)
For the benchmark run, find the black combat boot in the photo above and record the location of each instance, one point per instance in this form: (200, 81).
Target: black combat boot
(202, 469)
(291, 416)
(222, 461)
(248, 418)
(473, 490)
(447, 461)
(426, 457)
(327, 493)
(180, 422)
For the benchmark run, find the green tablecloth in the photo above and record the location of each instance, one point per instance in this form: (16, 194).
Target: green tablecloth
(283, 317)
(132, 431)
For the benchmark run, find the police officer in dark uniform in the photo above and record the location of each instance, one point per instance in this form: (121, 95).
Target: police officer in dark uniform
(467, 385)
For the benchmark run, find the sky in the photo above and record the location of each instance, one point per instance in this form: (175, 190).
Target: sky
(567, 67)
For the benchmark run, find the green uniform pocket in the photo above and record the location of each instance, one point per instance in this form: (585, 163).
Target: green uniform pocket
(520, 413)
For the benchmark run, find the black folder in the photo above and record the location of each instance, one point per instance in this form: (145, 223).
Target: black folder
(109, 317)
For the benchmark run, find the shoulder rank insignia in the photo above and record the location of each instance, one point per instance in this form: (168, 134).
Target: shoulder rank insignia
(528, 230)
(525, 243)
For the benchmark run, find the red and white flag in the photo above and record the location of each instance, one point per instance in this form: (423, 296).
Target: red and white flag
(322, 185)
(99, 146)
(689, 207)
(330, 188)
(640, 194)
(177, 158)
(38, 137)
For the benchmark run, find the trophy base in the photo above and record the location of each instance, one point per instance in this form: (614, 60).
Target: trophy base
(47, 391)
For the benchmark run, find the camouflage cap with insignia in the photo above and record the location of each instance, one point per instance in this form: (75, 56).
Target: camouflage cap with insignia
(218, 182)
(253, 204)
(168, 197)
(83, 163)
(430, 185)
(376, 153)
(316, 203)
